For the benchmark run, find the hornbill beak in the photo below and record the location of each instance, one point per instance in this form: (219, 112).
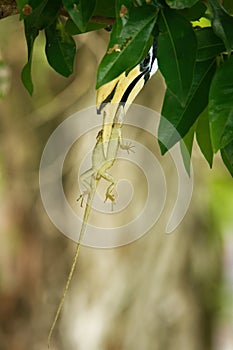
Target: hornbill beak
(124, 89)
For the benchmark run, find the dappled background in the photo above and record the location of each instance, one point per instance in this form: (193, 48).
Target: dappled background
(160, 292)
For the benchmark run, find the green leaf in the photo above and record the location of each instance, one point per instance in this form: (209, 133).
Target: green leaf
(203, 136)
(186, 145)
(177, 47)
(105, 8)
(26, 76)
(195, 12)
(49, 13)
(228, 6)
(60, 48)
(157, 3)
(30, 33)
(80, 11)
(208, 44)
(122, 18)
(42, 14)
(221, 105)
(181, 118)
(203, 22)
(222, 23)
(21, 4)
(227, 157)
(72, 29)
(25, 7)
(181, 4)
(127, 43)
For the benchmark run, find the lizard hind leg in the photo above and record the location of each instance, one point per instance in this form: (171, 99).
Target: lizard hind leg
(111, 188)
(111, 195)
(84, 180)
(82, 196)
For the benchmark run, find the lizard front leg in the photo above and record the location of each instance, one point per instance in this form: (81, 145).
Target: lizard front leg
(128, 147)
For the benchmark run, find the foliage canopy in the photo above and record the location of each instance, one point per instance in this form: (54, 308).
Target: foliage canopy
(195, 45)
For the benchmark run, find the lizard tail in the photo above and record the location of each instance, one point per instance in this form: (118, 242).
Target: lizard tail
(64, 294)
(75, 259)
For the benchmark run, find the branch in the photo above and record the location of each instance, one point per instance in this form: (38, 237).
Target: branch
(8, 8)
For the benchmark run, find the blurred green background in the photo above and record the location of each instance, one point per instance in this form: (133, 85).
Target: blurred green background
(160, 292)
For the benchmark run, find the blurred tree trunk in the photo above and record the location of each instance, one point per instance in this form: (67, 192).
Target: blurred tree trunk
(171, 286)
(160, 292)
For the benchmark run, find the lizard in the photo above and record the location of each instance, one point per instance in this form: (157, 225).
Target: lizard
(100, 165)
(113, 101)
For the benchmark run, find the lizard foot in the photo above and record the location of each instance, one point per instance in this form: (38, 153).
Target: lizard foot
(112, 199)
(110, 195)
(81, 197)
(128, 147)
